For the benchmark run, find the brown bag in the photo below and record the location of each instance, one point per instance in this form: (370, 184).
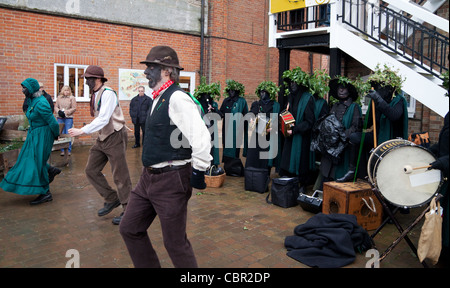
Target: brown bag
(430, 240)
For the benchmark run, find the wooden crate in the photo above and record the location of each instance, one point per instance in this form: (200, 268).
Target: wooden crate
(348, 198)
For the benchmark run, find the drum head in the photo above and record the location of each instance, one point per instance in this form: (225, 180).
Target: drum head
(406, 189)
(378, 152)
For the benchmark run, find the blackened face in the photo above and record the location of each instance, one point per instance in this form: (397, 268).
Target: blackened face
(233, 93)
(90, 81)
(153, 74)
(342, 92)
(26, 92)
(294, 87)
(265, 96)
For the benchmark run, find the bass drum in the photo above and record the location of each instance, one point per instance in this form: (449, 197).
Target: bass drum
(386, 170)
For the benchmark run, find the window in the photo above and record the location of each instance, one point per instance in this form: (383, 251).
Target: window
(70, 74)
(187, 81)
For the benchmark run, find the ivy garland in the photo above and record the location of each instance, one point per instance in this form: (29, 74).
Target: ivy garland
(212, 89)
(445, 83)
(270, 87)
(387, 77)
(318, 83)
(234, 85)
(296, 75)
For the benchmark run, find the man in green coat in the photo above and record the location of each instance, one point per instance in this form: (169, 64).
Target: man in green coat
(29, 176)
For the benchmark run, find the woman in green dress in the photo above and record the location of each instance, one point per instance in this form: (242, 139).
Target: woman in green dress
(29, 176)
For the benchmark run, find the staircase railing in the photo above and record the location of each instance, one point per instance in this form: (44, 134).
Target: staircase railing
(415, 42)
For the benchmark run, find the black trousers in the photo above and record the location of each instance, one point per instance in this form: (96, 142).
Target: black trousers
(137, 133)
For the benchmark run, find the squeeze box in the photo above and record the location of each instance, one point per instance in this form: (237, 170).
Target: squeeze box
(286, 121)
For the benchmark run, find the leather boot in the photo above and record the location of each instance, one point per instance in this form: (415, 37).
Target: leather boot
(42, 198)
(52, 172)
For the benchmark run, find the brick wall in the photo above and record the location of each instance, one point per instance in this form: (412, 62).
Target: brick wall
(235, 48)
(31, 43)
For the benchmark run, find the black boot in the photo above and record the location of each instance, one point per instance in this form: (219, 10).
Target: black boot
(350, 175)
(52, 172)
(42, 198)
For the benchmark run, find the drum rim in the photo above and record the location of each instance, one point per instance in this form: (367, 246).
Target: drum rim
(404, 142)
(414, 205)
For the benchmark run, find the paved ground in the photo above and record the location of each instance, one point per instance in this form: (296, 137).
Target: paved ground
(228, 227)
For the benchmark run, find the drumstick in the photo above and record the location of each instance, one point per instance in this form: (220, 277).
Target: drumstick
(408, 168)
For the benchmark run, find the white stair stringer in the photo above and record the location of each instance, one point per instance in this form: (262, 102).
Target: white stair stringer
(416, 85)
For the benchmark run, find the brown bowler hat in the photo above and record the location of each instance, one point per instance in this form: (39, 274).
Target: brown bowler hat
(163, 55)
(94, 71)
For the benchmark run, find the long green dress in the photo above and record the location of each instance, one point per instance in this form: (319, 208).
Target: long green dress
(29, 176)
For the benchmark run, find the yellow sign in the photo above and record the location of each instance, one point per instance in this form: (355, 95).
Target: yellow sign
(277, 6)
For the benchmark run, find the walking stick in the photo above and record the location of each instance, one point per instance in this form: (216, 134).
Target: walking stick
(374, 125)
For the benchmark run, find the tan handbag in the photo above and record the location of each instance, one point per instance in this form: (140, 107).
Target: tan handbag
(430, 240)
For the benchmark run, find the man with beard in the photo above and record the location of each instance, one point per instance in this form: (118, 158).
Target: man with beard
(175, 154)
(110, 145)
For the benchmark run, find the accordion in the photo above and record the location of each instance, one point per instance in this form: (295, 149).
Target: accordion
(286, 122)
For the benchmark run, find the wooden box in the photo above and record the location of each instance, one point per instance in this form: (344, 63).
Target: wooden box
(353, 198)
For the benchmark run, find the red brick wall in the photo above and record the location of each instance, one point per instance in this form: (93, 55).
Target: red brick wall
(31, 43)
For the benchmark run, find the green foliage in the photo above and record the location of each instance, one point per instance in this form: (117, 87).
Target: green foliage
(234, 85)
(270, 87)
(445, 83)
(297, 75)
(318, 83)
(212, 89)
(16, 144)
(385, 76)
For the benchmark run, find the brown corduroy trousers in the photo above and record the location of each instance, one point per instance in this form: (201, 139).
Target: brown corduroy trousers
(112, 150)
(166, 195)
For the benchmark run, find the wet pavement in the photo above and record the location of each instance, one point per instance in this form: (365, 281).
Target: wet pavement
(228, 227)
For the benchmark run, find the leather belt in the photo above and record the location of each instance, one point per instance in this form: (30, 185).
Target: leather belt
(152, 170)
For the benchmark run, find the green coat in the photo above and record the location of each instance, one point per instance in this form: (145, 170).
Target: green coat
(29, 176)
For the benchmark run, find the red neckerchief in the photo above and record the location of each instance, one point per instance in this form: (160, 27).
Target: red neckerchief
(163, 87)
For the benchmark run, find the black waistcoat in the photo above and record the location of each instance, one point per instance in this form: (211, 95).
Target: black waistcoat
(158, 130)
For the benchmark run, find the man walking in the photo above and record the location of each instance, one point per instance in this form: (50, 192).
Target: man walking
(170, 169)
(110, 145)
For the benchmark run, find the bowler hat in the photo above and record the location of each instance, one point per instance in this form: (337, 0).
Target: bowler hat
(334, 84)
(163, 55)
(95, 72)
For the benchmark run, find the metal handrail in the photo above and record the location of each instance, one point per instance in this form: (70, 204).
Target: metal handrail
(409, 39)
(415, 42)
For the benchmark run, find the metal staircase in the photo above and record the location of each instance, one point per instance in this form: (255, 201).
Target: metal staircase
(396, 33)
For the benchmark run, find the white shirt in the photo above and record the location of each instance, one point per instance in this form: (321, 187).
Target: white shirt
(184, 113)
(107, 107)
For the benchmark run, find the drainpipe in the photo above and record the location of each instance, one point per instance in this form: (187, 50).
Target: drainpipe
(202, 36)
